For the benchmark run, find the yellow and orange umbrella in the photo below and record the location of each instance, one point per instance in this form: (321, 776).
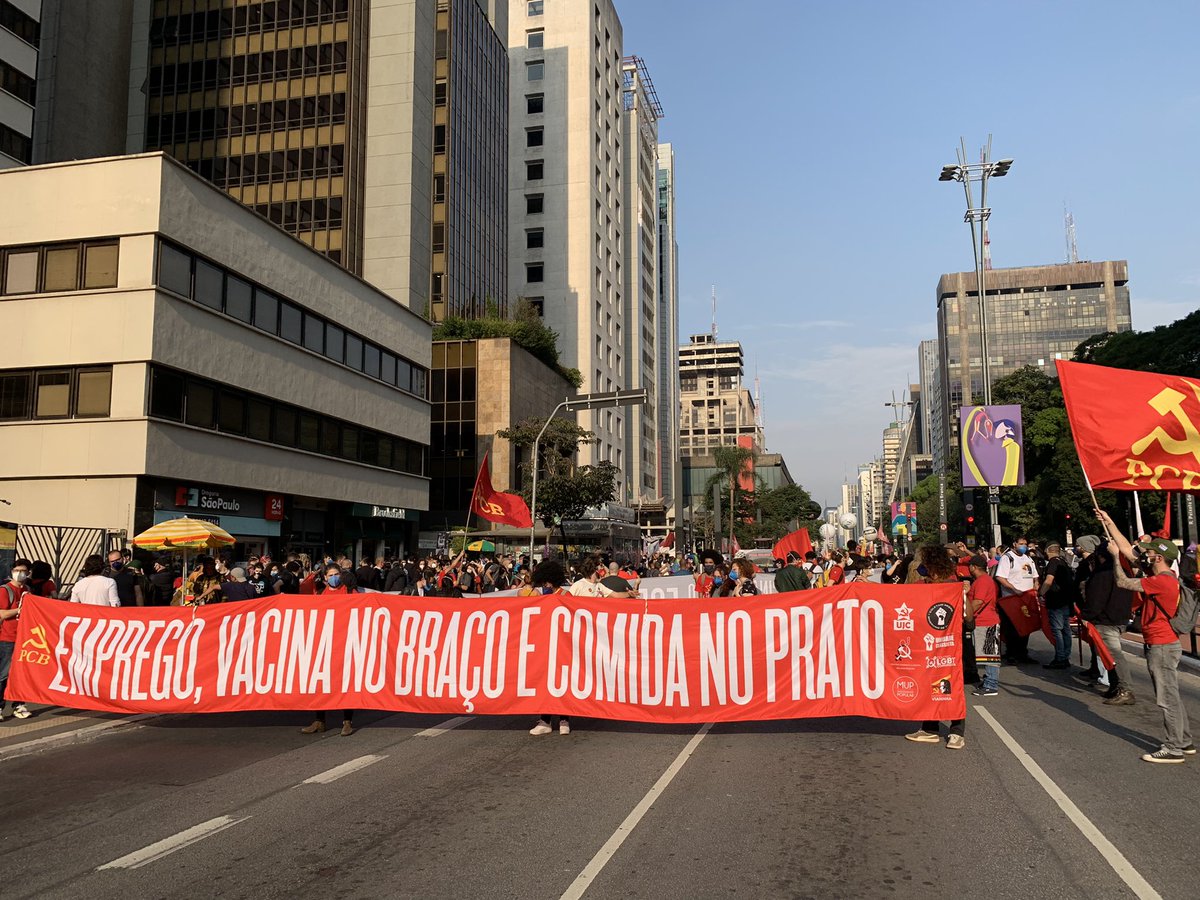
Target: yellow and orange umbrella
(184, 534)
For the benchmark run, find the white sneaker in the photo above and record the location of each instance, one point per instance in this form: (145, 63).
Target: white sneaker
(955, 742)
(21, 712)
(564, 727)
(922, 736)
(542, 727)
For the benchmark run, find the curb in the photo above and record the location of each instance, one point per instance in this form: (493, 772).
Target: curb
(1185, 661)
(74, 736)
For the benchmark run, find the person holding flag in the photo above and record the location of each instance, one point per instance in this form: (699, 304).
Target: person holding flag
(1158, 600)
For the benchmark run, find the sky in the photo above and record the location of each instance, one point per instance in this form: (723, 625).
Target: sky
(808, 138)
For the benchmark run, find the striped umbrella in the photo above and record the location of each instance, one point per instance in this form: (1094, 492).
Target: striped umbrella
(184, 534)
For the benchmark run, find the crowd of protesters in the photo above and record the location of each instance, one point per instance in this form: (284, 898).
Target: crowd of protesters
(1112, 584)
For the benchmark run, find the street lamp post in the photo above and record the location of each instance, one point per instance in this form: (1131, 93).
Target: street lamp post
(596, 400)
(976, 216)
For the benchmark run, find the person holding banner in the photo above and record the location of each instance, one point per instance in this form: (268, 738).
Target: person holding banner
(1159, 601)
(548, 578)
(934, 566)
(337, 581)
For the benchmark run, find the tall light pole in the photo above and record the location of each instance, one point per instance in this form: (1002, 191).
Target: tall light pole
(598, 400)
(976, 216)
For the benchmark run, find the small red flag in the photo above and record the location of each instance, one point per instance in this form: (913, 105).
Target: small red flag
(495, 506)
(797, 541)
(1134, 430)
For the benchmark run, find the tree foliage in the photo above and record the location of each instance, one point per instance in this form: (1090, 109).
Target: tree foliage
(760, 514)
(1172, 349)
(525, 327)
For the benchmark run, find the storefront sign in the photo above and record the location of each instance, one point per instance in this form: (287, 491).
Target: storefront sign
(371, 511)
(273, 508)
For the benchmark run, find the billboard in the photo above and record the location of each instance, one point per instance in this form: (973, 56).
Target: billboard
(904, 519)
(993, 454)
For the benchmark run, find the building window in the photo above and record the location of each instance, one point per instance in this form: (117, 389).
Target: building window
(533, 204)
(439, 92)
(93, 397)
(20, 271)
(174, 270)
(52, 398)
(439, 138)
(535, 238)
(538, 305)
(61, 269)
(439, 237)
(439, 188)
(535, 104)
(210, 285)
(533, 272)
(536, 70)
(100, 265)
(535, 170)
(534, 7)
(535, 39)
(534, 137)
(239, 299)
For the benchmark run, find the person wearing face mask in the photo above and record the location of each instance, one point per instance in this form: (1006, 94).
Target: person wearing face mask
(1016, 573)
(548, 577)
(706, 581)
(11, 594)
(129, 588)
(337, 581)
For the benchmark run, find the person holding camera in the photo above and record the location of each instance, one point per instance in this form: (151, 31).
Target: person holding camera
(1158, 599)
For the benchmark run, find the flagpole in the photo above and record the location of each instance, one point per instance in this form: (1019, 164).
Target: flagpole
(471, 505)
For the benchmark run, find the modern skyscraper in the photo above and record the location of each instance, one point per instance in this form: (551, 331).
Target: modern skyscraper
(668, 332)
(639, 133)
(20, 38)
(1035, 315)
(565, 209)
(927, 412)
(373, 131)
(715, 410)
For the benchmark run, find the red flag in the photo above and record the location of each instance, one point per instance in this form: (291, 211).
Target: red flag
(797, 541)
(507, 509)
(668, 542)
(1134, 430)
(1165, 531)
(736, 547)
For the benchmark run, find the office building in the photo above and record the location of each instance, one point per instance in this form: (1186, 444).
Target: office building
(20, 39)
(639, 132)
(1035, 315)
(668, 333)
(928, 411)
(182, 356)
(566, 247)
(374, 131)
(715, 410)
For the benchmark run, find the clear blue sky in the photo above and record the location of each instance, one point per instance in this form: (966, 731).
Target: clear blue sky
(808, 139)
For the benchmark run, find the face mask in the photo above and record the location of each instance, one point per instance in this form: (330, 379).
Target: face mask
(333, 580)
(1022, 549)
(717, 579)
(117, 565)
(18, 577)
(708, 570)
(274, 573)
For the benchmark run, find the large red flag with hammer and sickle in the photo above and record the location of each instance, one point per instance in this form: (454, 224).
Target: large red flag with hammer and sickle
(495, 506)
(1134, 430)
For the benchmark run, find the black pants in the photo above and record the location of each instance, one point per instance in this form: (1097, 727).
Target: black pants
(347, 715)
(545, 717)
(957, 726)
(1015, 646)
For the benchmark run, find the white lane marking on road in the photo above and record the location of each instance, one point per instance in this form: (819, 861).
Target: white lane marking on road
(344, 769)
(585, 878)
(162, 848)
(448, 725)
(1114, 857)
(71, 737)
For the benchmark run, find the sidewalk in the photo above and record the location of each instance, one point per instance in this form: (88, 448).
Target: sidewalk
(54, 726)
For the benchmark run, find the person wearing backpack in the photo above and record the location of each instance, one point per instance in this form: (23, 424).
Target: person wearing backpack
(1057, 592)
(1159, 597)
(792, 576)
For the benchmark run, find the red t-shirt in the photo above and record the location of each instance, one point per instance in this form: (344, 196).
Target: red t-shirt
(10, 598)
(704, 585)
(985, 589)
(836, 574)
(1158, 591)
(309, 584)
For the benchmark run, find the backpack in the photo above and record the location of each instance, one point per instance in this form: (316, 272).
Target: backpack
(1184, 620)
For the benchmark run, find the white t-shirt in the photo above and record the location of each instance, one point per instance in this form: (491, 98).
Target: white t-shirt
(1019, 571)
(95, 590)
(585, 588)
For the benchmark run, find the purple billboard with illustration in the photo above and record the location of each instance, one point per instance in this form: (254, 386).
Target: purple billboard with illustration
(992, 451)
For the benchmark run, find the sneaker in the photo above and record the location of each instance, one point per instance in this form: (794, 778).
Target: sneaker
(985, 693)
(923, 737)
(542, 727)
(1057, 664)
(1123, 698)
(315, 728)
(21, 712)
(1163, 756)
(955, 742)
(347, 728)
(564, 727)
(1190, 750)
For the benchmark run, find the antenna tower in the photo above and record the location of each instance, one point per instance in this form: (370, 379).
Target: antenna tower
(1072, 248)
(760, 418)
(714, 313)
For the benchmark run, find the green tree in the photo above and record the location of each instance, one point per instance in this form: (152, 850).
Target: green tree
(525, 327)
(565, 491)
(779, 510)
(737, 502)
(1172, 349)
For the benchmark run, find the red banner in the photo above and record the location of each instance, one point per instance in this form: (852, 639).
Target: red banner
(890, 652)
(1134, 430)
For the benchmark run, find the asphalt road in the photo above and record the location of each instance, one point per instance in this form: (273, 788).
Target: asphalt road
(219, 806)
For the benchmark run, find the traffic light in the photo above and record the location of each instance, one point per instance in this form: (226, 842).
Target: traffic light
(970, 522)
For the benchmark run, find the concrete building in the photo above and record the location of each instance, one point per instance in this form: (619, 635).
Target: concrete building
(20, 39)
(928, 410)
(639, 132)
(893, 438)
(715, 410)
(668, 334)
(180, 355)
(479, 387)
(1035, 314)
(566, 247)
